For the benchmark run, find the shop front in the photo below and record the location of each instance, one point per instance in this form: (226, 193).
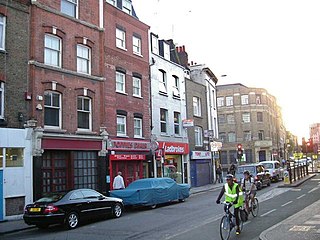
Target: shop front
(201, 169)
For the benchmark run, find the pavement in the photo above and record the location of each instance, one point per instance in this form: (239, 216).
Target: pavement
(304, 225)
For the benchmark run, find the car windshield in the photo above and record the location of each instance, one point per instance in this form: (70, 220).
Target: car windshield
(51, 197)
(244, 168)
(268, 165)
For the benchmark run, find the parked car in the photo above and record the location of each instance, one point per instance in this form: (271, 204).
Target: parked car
(259, 173)
(152, 191)
(70, 208)
(275, 169)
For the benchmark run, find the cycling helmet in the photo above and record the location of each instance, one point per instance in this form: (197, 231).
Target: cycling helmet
(246, 172)
(229, 176)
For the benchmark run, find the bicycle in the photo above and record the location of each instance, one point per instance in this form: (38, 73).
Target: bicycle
(227, 223)
(253, 207)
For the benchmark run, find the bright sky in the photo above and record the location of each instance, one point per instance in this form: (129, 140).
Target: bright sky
(271, 44)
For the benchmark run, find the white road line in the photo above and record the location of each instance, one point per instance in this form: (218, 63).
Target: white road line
(301, 196)
(265, 214)
(286, 203)
(313, 189)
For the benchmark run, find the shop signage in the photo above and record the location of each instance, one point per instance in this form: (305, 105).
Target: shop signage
(129, 145)
(200, 155)
(174, 147)
(187, 123)
(125, 157)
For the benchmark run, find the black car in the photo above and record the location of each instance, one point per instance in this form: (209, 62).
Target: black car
(70, 208)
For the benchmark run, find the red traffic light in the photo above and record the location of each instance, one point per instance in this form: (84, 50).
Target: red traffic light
(239, 146)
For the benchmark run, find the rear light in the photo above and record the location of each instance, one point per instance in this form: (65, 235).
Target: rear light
(51, 209)
(256, 178)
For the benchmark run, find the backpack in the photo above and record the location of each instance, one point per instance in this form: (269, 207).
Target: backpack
(244, 181)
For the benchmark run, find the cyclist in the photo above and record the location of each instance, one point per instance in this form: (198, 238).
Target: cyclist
(249, 188)
(233, 194)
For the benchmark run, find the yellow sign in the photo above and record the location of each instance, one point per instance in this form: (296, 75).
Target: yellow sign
(286, 177)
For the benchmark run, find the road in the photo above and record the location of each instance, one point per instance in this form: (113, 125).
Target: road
(197, 218)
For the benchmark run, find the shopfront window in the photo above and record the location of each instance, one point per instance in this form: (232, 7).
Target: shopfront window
(14, 157)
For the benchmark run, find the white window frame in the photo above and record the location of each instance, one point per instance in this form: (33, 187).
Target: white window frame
(76, 5)
(2, 32)
(83, 61)
(198, 136)
(86, 111)
(229, 101)
(197, 106)
(127, 7)
(1, 100)
(54, 107)
(136, 45)
(162, 81)
(155, 44)
(244, 99)
(230, 118)
(49, 51)
(246, 118)
(136, 86)
(220, 101)
(120, 82)
(247, 136)
(166, 51)
(164, 120)
(122, 122)
(177, 123)
(112, 2)
(176, 86)
(137, 125)
(260, 135)
(120, 39)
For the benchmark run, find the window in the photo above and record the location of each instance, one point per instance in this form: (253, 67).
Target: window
(136, 86)
(166, 51)
(2, 32)
(176, 116)
(69, 7)
(137, 127)
(112, 2)
(52, 109)
(1, 100)
(52, 50)
(83, 59)
(244, 99)
(136, 45)
(163, 81)
(198, 136)
(126, 6)
(176, 86)
(14, 157)
(246, 117)
(220, 101)
(221, 119)
(121, 125)
(163, 120)
(120, 38)
(259, 116)
(247, 136)
(84, 113)
(261, 135)
(223, 137)
(197, 106)
(155, 44)
(120, 82)
(258, 99)
(230, 119)
(85, 170)
(231, 137)
(229, 101)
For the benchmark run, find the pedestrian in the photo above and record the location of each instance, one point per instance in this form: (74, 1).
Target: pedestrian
(232, 169)
(118, 182)
(219, 173)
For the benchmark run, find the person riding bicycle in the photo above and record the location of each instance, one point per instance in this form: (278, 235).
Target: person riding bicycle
(248, 186)
(233, 194)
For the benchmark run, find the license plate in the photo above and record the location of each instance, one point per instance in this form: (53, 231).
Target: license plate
(35, 210)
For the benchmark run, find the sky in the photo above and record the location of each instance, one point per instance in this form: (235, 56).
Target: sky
(270, 44)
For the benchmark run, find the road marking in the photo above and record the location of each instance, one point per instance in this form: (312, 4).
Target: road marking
(313, 189)
(301, 196)
(286, 203)
(265, 214)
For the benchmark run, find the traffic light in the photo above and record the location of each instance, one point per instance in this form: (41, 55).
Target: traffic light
(310, 146)
(239, 151)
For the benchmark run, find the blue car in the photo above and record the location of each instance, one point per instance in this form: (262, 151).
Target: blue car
(152, 191)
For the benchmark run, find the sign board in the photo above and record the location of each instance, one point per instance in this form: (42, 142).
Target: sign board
(215, 146)
(187, 123)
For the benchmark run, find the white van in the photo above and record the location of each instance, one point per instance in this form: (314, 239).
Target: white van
(275, 169)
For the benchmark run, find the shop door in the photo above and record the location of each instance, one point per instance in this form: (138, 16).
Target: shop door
(131, 170)
(1, 195)
(262, 156)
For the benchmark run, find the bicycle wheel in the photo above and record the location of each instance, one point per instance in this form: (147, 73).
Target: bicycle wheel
(225, 228)
(254, 207)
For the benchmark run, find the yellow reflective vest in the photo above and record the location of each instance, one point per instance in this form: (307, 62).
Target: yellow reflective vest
(231, 194)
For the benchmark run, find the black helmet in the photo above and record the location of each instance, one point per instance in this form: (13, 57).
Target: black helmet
(246, 172)
(229, 176)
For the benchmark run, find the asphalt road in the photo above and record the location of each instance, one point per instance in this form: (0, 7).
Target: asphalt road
(197, 218)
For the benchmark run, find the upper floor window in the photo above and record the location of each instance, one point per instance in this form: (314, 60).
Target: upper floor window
(70, 7)
(52, 50)
(162, 81)
(197, 106)
(176, 86)
(229, 101)
(136, 86)
(246, 117)
(198, 136)
(166, 51)
(136, 45)
(121, 125)
(221, 119)
(220, 101)
(155, 44)
(259, 117)
(120, 82)
(261, 135)
(163, 120)
(247, 135)
(2, 31)
(126, 6)
(83, 59)
(258, 98)
(52, 109)
(245, 99)
(120, 38)
(137, 127)
(84, 113)
(176, 123)
(112, 2)
(223, 136)
(230, 119)
(231, 137)
(1, 100)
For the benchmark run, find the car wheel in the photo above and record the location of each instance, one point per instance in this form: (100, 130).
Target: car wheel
(153, 206)
(181, 200)
(72, 220)
(269, 183)
(42, 226)
(117, 210)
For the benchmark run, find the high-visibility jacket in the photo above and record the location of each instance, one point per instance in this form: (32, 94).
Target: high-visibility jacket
(231, 194)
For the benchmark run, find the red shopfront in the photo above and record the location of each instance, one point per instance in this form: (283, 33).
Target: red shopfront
(131, 157)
